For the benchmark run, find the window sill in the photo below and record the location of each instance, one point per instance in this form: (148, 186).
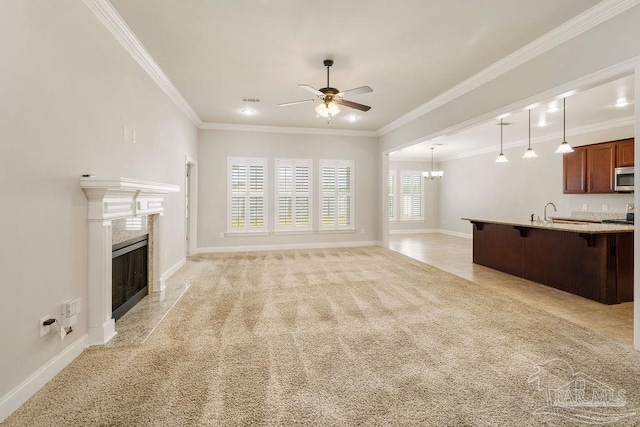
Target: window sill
(246, 233)
(291, 232)
(337, 230)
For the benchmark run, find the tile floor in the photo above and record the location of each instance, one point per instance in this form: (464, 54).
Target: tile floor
(454, 255)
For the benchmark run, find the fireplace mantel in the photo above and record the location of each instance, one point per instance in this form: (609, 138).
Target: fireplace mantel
(109, 199)
(116, 198)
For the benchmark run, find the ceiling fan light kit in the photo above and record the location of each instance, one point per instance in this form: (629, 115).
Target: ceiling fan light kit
(331, 97)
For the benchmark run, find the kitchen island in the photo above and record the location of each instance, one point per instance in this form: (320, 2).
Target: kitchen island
(592, 260)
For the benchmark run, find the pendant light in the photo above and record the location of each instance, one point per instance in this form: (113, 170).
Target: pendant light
(433, 174)
(564, 147)
(529, 154)
(501, 157)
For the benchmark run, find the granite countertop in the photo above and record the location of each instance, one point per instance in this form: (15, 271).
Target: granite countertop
(579, 227)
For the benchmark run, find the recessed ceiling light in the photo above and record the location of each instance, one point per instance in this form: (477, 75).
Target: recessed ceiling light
(622, 102)
(542, 123)
(247, 111)
(553, 107)
(352, 117)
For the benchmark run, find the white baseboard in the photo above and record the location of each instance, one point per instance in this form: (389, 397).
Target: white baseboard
(23, 392)
(432, 230)
(457, 234)
(172, 270)
(289, 246)
(414, 231)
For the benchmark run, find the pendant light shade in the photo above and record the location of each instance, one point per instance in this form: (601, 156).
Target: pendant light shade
(501, 157)
(529, 154)
(564, 146)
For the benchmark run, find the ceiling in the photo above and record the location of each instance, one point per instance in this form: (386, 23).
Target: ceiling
(586, 111)
(217, 53)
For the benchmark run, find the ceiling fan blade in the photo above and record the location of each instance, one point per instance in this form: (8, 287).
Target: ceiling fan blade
(355, 91)
(286, 104)
(353, 105)
(312, 90)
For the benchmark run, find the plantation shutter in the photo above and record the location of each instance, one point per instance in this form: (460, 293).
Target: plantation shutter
(293, 194)
(336, 194)
(411, 183)
(247, 194)
(302, 199)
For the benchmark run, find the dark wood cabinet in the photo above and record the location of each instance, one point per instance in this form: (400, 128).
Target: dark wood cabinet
(601, 162)
(575, 171)
(591, 168)
(625, 153)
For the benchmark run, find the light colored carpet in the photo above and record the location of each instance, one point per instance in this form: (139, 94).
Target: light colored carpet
(359, 336)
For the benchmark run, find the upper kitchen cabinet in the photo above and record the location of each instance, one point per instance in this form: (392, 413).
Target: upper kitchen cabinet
(575, 171)
(591, 168)
(625, 153)
(601, 162)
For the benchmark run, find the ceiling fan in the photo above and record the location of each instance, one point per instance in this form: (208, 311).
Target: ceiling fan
(331, 97)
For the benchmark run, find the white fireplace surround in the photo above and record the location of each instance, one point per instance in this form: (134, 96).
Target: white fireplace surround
(110, 199)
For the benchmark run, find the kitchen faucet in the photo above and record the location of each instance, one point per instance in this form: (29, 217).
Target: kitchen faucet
(545, 210)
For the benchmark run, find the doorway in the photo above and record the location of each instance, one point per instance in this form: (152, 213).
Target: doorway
(190, 206)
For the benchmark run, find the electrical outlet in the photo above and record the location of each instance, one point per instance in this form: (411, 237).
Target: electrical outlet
(605, 207)
(44, 329)
(222, 235)
(362, 231)
(585, 207)
(630, 207)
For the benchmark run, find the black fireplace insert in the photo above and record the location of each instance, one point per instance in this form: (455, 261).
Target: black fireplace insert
(129, 274)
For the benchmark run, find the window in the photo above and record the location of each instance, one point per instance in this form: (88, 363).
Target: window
(411, 187)
(293, 194)
(392, 195)
(336, 194)
(247, 194)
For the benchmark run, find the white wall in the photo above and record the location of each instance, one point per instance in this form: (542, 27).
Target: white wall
(67, 88)
(477, 187)
(216, 146)
(430, 199)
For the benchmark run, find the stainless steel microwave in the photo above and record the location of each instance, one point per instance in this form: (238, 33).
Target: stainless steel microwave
(624, 179)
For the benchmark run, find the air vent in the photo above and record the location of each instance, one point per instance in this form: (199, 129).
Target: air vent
(251, 99)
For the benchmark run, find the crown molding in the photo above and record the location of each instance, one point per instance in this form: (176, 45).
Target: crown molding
(112, 20)
(284, 129)
(593, 16)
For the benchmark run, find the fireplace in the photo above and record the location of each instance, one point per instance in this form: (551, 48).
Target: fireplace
(128, 275)
(114, 199)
